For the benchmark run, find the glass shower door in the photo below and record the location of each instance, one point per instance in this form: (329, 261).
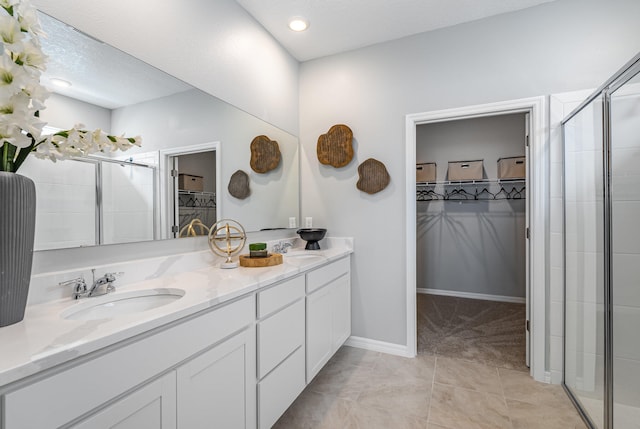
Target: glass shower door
(584, 260)
(625, 253)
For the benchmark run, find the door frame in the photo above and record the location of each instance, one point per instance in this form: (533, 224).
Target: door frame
(538, 192)
(167, 192)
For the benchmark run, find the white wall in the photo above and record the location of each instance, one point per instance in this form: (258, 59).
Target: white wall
(472, 246)
(213, 45)
(560, 46)
(65, 112)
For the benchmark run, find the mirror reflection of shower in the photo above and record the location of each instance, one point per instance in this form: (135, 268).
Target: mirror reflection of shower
(93, 200)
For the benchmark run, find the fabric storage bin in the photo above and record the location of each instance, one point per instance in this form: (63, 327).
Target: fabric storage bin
(465, 170)
(426, 172)
(513, 167)
(187, 182)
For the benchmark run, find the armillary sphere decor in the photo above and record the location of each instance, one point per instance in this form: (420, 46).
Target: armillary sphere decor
(227, 238)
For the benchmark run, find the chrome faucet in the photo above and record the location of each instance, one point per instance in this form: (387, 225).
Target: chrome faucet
(103, 285)
(282, 247)
(79, 287)
(100, 286)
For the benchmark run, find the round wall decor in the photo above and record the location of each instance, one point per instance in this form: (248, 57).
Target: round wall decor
(239, 185)
(265, 154)
(374, 176)
(335, 148)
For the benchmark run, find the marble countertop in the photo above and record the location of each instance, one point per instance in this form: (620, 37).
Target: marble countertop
(45, 339)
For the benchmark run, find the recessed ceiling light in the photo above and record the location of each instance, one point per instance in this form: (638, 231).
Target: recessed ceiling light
(298, 23)
(60, 82)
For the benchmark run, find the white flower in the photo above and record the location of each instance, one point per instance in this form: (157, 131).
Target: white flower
(28, 18)
(31, 57)
(10, 33)
(22, 96)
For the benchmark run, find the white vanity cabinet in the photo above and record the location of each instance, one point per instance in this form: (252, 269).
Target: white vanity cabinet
(281, 342)
(239, 365)
(117, 385)
(328, 306)
(152, 406)
(217, 388)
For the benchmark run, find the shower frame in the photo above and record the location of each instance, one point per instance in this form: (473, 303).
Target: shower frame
(617, 80)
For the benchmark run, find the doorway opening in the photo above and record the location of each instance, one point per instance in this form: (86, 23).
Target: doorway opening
(532, 221)
(191, 184)
(471, 243)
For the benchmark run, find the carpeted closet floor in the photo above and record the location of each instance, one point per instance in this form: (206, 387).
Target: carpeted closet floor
(487, 332)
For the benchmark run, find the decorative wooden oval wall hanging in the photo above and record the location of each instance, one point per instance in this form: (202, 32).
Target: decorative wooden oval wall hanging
(374, 176)
(239, 185)
(265, 154)
(336, 147)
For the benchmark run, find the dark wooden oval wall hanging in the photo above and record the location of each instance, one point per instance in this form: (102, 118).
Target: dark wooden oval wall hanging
(239, 185)
(335, 148)
(374, 176)
(265, 154)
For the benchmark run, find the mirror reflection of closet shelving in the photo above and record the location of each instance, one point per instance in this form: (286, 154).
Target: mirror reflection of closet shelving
(195, 182)
(194, 205)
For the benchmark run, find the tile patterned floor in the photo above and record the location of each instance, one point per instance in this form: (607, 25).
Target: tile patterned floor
(469, 373)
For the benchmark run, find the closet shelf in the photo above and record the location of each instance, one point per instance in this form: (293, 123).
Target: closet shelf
(470, 182)
(477, 190)
(186, 192)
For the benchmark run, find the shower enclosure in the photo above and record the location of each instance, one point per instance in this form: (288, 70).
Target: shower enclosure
(602, 253)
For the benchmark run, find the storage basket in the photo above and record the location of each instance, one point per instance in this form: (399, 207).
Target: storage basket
(465, 170)
(189, 182)
(426, 172)
(513, 167)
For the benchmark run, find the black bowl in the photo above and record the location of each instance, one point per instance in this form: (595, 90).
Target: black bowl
(312, 236)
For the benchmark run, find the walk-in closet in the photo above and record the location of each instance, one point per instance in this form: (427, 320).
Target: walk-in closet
(196, 193)
(471, 238)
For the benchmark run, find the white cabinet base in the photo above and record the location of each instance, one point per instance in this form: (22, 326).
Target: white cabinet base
(153, 406)
(217, 388)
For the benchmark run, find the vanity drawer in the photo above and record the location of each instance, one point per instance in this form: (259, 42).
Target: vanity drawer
(279, 335)
(280, 296)
(322, 276)
(280, 388)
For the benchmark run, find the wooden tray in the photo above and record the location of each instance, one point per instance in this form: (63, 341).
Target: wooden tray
(269, 261)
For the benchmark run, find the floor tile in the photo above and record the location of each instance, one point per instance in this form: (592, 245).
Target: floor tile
(454, 407)
(529, 416)
(369, 417)
(315, 411)
(468, 375)
(401, 398)
(341, 379)
(522, 387)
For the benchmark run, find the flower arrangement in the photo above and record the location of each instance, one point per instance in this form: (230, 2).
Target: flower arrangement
(22, 97)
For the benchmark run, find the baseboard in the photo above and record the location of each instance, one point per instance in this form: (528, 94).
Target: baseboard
(471, 295)
(378, 346)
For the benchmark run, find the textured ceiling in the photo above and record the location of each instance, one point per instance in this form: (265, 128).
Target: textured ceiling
(99, 73)
(343, 25)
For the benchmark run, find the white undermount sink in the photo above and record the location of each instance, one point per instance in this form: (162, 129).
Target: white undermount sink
(110, 306)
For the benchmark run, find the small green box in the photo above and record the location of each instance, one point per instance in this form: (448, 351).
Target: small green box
(257, 246)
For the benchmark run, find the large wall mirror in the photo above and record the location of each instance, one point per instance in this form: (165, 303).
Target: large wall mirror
(192, 143)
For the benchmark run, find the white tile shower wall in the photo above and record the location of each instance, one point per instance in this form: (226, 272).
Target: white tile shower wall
(560, 106)
(128, 201)
(66, 193)
(625, 183)
(584, 248)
